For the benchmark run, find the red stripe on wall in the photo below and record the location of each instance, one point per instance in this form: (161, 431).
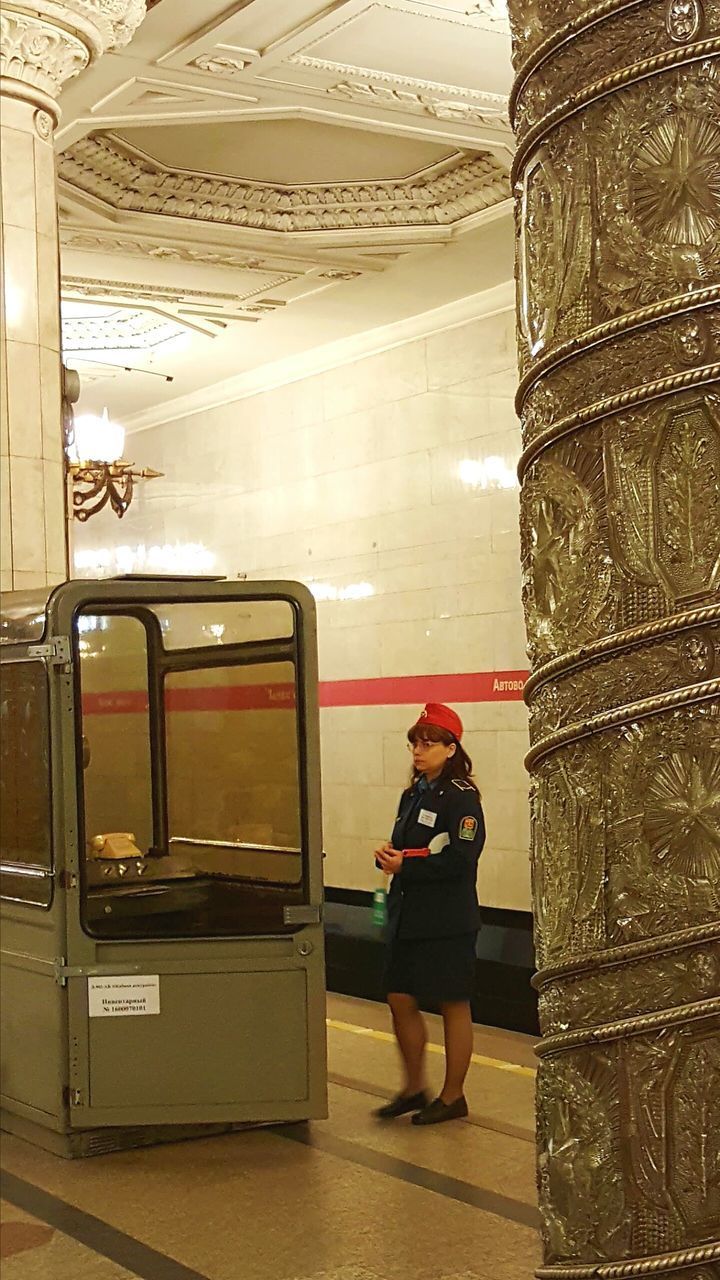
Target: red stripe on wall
(390, 691)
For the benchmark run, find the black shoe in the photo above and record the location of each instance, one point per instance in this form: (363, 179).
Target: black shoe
(438, 1111)
(401, 1105)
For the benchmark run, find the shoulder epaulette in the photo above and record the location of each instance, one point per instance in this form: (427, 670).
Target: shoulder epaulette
(462, 785)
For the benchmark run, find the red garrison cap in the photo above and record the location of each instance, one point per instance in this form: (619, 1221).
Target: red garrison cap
(442, 717)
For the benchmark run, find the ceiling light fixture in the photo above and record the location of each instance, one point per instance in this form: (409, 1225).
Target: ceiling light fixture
(93, 446)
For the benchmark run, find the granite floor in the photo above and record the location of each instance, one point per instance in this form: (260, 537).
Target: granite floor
(342, 1199)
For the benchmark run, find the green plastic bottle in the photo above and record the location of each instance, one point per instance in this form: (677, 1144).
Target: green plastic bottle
(379, 909)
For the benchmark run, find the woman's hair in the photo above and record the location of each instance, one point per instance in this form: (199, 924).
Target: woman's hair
(457, 766)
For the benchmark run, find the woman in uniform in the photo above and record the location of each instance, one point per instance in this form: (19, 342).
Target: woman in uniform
(433, 913)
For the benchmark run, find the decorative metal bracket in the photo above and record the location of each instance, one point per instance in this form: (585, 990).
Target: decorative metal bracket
(95, 484)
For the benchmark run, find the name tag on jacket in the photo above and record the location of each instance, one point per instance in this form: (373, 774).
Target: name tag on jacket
(426, 818)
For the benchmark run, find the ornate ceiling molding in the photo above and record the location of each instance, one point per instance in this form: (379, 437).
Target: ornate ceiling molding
(492, 14)
(125, 179)
(109, 243)
(266, 270)
(493, 103)
(219, 64)
(442, 109)
(214, 305)
(484, 15)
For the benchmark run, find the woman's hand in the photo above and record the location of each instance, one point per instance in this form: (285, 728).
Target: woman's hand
(390, 859)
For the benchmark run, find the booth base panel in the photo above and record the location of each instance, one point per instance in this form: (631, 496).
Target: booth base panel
(81, 1143)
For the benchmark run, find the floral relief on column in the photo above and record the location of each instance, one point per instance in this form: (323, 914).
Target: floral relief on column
(659, 213)
(579, 1124)
(664, 843)
(115, 20)
(622, 991)
(672, 1085)
(662, 470)
(681, 814)
(567, 581)
(568, 861)
(687, 497)
(39, 54)
(620, 526)
(555, 245)
(56, 42)
(684, 20)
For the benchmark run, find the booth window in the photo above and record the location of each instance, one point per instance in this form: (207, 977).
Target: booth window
(186, 626)
(116, 772)
(25, 812)
(239, 814)
(193, 812)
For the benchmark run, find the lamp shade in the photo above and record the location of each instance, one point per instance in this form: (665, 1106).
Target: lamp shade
(96, 439)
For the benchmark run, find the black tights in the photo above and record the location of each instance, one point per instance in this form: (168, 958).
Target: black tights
(411, 1035)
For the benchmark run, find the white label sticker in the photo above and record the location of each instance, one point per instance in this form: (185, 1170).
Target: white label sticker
(123, 997)
(427, 818)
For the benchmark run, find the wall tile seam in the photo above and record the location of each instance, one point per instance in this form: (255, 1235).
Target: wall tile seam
(317, 430)
(316, 424)
(370, 519)
(388, 398)
(491, 610)
(343, 466)
(34, 477)
(311, 478)
(177, 414)
(11, 526)
(44, 192)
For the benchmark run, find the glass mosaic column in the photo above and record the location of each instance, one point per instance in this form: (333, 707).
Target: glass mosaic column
(616, 108)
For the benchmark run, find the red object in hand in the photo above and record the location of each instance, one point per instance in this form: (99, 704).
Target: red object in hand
(416, 853)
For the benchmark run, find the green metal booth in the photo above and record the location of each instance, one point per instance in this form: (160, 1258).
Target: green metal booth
(161, 850)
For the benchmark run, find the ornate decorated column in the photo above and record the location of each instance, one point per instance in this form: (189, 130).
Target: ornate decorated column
(617, 114)
(42, 44)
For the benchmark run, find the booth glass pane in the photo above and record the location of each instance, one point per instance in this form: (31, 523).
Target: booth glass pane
(221, 622)
(237, 813)
(192, 809)
(117, 780)
(25, 810)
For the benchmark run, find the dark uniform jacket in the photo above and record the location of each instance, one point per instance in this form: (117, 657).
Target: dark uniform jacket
(434, 895)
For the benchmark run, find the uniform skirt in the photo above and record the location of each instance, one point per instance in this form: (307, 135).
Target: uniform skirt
(433, 970)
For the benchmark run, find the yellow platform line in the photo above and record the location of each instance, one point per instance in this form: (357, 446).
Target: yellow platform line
(478, 1058)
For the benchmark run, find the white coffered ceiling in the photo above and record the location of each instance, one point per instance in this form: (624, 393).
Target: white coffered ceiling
(264, 175)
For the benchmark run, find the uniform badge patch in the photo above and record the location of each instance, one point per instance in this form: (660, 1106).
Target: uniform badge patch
(468, 828)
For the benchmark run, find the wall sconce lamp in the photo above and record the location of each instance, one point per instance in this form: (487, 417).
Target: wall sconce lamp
(95, 464)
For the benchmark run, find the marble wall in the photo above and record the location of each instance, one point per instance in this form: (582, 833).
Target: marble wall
(32, 484)
(387, 485)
